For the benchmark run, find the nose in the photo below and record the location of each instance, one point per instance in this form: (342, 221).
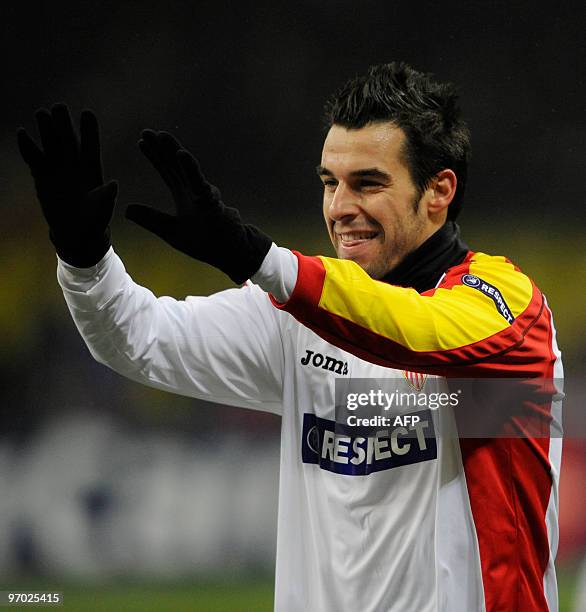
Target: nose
(344, 203)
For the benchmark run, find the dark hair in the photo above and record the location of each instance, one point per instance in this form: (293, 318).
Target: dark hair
(427, 112)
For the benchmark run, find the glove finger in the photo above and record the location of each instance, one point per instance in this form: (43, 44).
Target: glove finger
(167, 146)
(155, 221)
(65, 134)
(91, 159)
(30, 152)
(170, 178)
(47, 134)
(156, 144)
(194, 176)
(151, 138)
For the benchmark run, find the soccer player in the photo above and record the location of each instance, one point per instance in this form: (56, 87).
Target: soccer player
(404, 517)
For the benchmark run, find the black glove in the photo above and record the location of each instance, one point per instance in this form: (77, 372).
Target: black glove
(204, 227)
(70, 186)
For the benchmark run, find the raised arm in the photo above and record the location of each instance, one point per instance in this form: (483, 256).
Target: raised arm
(225, 348)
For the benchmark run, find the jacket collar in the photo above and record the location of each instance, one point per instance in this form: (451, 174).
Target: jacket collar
(423, 267)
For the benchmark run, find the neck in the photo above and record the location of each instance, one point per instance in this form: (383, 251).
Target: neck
(423, 267)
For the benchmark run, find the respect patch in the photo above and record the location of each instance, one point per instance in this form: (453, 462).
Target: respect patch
(336, 447)
(471, 280)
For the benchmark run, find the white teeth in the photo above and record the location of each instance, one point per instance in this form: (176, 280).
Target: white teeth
(350, 236)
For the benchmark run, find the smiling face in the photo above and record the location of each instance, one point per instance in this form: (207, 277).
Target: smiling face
(373, 211)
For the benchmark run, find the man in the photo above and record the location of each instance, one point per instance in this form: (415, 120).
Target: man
(397, 518)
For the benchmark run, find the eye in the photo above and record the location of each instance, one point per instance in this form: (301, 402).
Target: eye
(367, 183)
(330, 182)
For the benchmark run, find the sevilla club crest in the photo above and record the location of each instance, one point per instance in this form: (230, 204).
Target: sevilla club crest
(415, 379)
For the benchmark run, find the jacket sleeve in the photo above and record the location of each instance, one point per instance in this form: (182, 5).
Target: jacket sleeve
(485, 315)
(224, 348)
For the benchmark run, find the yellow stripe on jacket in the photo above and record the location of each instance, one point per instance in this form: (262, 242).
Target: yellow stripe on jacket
(449, 318)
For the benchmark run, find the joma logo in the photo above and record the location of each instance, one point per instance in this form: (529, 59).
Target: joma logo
(325, 362)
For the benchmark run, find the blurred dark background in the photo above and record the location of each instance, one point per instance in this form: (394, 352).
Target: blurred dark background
(243, 85)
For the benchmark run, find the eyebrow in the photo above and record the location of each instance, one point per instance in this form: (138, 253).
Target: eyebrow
(365, 172)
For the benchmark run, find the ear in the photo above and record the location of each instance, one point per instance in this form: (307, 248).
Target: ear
(442, 191)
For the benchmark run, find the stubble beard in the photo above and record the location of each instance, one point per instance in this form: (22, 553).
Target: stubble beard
(381, 265)
(404, 244)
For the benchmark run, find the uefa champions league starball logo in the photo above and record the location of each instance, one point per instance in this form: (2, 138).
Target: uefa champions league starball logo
(471, 280)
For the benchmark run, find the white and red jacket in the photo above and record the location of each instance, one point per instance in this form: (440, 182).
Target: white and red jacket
(425, 525)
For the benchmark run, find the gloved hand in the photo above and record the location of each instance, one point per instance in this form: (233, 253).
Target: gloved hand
(70, 185)
(204, 227)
